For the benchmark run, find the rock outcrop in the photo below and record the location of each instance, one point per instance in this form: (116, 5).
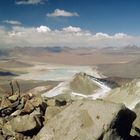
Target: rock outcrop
(89, 120)
(127, 94)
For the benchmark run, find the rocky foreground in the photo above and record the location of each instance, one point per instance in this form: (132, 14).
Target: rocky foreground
(30, 117)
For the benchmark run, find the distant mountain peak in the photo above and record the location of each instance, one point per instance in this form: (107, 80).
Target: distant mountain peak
(82, 83)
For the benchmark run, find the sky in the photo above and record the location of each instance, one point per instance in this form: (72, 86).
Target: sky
(72, 23)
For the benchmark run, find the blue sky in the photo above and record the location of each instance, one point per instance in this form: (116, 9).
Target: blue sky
(108, 16)
(101, 22)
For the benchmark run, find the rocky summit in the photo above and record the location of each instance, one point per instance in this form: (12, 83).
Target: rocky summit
(89, 120)
(32, 117)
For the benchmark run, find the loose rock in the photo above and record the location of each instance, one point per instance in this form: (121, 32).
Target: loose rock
(25, 123)
(13, 98)
(28, 108)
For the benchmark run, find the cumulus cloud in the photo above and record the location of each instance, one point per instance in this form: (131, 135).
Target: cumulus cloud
(120, 35)
(72, 29)
(62, 13)
(28, 2)
(101, 35)
(12, 22)
(69, 36)
(43, 29)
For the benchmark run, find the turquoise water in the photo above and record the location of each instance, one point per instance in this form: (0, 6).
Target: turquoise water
(54, 73)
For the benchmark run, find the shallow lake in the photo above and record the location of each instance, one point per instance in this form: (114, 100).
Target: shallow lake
(55, 72)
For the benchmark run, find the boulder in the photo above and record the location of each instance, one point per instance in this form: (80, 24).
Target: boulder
(7, 130)
(5, 103)
(28, 107)
(51, 102)
(89, 120)
(36, 101)
(51, 112)
(13, 98)
(61, 102)
(66, 97)
(24, 123)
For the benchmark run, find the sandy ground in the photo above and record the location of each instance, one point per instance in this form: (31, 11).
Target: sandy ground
(74, 58)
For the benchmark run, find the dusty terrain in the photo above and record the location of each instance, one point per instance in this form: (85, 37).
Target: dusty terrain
(38, 66)
(50, 90)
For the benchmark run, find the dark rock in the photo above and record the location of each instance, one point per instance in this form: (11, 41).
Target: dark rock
(61, 102)
(6, 111)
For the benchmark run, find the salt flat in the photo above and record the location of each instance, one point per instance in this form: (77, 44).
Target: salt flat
(55, 72)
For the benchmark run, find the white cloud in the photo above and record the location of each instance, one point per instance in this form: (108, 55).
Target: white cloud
(43, 29)
(72, 29)
(69, 36)
(120, 35)
(62, 13)
(12, 22)
(101, 35)
(28, 2)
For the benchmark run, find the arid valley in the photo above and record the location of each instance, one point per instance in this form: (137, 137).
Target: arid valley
(69, 74)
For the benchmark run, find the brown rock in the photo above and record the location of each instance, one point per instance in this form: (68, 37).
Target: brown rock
(36, 101)
(28, 108)
(26, 97)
